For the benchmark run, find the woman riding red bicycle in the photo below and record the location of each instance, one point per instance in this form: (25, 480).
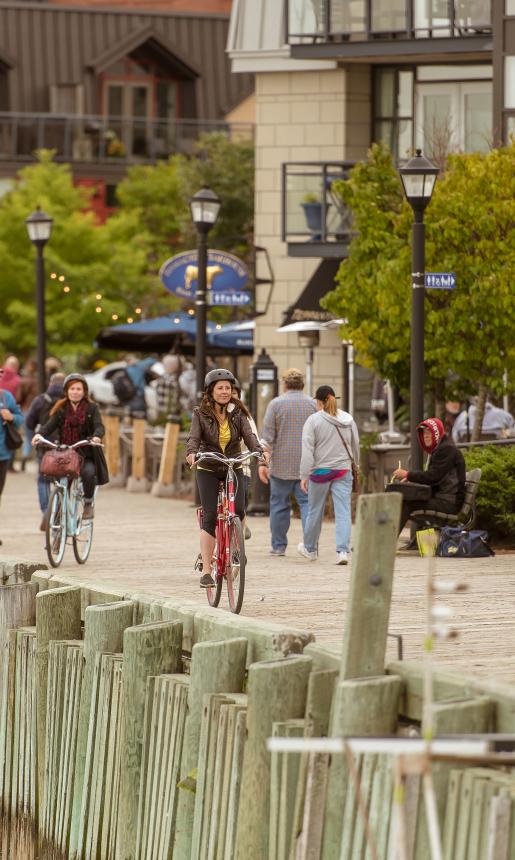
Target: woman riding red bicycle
(218, 426)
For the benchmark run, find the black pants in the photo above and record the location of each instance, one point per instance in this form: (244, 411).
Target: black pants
(88, 474)
(207, 483)
(431, 505)
(4, 468)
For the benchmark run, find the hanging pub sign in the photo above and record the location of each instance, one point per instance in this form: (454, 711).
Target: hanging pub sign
(226, 278)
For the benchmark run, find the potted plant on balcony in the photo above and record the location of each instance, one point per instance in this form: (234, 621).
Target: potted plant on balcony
(312, 206)
(114, 146)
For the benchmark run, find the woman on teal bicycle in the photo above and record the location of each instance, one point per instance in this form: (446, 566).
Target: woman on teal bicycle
(218, 425)
(73, 418)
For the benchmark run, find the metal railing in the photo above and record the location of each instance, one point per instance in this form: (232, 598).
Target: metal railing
(101, 138)
(363, 20)
(312, 209)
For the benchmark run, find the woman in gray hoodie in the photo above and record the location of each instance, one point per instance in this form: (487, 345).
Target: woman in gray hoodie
(330, 442)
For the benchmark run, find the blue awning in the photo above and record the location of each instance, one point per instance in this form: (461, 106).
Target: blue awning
(177, 331)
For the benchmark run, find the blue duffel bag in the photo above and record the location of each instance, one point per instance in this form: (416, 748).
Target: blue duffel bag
(458, 543)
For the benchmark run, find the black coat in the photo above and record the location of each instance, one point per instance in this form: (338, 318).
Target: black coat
(445, 473)
(92, 426)
(205, 432)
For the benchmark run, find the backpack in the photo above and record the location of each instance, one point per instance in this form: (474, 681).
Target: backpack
(44, 412)
(123, 386)
(458, 543)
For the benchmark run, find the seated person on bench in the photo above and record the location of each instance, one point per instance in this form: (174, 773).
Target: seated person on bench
(445, 472)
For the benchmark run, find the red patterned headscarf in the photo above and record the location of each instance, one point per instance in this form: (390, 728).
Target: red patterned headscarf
(437, 433)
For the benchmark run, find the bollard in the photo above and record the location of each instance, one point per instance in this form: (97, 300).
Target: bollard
(164, 486)
(151, 649)
(112, 450)
(137, 482)
(216, 667)
(104, 626)
(277, 691)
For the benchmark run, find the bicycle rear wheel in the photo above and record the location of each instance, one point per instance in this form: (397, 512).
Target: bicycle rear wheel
(56, 528)
(235, 573)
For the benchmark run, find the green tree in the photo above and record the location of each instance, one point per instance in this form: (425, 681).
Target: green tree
(469, 331)
(86, 255)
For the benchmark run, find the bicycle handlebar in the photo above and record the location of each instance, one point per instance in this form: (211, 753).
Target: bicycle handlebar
(81, 442)
(226, 461)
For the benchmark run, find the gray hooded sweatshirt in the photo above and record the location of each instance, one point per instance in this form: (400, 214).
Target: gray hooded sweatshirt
(322, 447)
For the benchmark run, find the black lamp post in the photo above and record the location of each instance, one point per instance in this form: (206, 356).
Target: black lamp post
(39, 228)
(204, 207)
(418, 177)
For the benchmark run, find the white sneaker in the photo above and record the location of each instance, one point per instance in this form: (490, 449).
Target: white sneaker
(301, 549)
(342, 558)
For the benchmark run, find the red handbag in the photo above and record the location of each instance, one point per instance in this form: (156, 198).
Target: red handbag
(61, 463)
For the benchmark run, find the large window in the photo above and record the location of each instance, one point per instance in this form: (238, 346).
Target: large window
(431, 108)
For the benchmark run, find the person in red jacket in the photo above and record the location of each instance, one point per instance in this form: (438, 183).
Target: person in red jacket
(444, 472)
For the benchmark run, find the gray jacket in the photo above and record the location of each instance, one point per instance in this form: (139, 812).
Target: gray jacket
(322, 447)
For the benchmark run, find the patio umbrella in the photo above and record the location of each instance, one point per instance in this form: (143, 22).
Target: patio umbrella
(176, 331)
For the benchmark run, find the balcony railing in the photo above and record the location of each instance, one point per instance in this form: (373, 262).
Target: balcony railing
(315, 220)
(363, 20)
(100, 138)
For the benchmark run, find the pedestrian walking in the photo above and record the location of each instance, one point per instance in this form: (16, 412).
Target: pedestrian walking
(10, 412)
(168, 389)
(36, 417)
(282, 434)
(330, 443)
(28, 390)
(496, 422)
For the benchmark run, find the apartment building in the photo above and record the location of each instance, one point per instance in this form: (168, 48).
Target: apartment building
(109, 87)
(332, 76)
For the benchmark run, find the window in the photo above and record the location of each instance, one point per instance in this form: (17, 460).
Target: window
(67, 98)
(393, 109)
(454, 116)
(509, 82)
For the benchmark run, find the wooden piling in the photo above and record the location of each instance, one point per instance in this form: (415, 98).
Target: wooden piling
(216, 667)
(277, 691)
(368, 609)
(104, 625)
(150, 649)
(365, 706)
(164, 486)
(112, 449)
(137, 482)
(57, 617)
(17, 609)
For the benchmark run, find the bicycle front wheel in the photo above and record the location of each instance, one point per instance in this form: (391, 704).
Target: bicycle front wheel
(56, 528)
(235, 572)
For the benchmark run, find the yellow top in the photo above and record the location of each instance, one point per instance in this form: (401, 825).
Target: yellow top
(224, 434)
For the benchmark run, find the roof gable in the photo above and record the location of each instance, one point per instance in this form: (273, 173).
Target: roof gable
(144, 36)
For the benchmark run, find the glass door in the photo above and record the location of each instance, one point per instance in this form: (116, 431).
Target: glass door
(453, 117)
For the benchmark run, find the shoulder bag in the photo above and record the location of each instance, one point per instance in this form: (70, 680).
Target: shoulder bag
(13, 438)
(354, 466)
(459, 543)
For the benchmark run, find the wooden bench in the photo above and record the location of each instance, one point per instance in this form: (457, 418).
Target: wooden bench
(465, 517)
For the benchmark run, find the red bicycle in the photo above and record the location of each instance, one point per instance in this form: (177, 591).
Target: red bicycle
(229, 558)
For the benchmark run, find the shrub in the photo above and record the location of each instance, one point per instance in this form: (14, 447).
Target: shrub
(496, 494)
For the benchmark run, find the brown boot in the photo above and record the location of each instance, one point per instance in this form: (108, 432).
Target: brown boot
(89, 511)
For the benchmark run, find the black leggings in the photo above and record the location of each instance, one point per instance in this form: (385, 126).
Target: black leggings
(4, 468)
(207, 483)
(431, 505)
(88, 474)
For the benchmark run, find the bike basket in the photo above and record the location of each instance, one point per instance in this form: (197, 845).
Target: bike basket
(61, 463)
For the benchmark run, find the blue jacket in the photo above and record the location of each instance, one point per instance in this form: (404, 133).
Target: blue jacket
(7, 401)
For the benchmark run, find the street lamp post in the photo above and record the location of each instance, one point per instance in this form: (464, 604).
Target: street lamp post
(39, 228)
(204, 207)
(418, 177)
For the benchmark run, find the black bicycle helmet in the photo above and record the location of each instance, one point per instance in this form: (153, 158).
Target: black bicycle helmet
(217, 375)
(76, 377)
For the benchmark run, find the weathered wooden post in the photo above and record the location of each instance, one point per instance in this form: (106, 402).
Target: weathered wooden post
(57, 617)
(137, 482)
(112, 449)
(17, 609)
(150, 649)
(277, 691)
(104, 626)
(164, 486)
(367, 705)
(216, 667)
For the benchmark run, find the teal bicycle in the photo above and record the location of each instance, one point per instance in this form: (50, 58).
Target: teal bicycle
(65, 523)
